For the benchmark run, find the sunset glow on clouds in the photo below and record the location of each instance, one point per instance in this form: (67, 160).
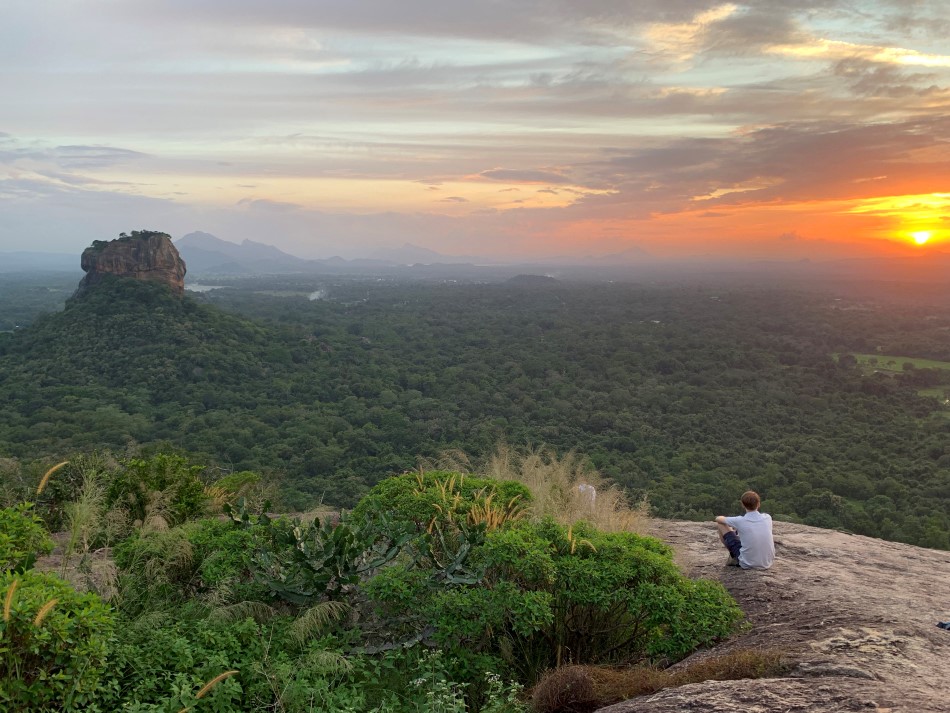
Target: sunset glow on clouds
(767, 129)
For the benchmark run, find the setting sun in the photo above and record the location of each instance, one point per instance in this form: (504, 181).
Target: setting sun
(921, 237)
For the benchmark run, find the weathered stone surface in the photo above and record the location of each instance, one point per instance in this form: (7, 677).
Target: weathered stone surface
(143, 255)
(857, 615)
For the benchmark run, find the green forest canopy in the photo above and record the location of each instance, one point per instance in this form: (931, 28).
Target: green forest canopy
(686, 395)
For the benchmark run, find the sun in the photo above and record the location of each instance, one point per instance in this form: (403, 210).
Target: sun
(921, 236)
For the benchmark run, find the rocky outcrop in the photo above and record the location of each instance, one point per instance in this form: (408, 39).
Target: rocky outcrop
(857, 617)
(143, 255)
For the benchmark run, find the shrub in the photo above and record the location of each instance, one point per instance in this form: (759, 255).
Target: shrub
(63, 484)
(159, 491)
(205, 558)
(54, 644)
(159, 659)
(22, 538)
(424, 500)
(539, 595)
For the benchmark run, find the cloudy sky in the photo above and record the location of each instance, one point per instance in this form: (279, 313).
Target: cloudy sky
(774, 128)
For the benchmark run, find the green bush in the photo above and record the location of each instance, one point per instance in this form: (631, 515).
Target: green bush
(22, 538)
(164, 486)
(204, 558)
(438, 497)
(160, 660)
(544, 595)
(238, 483)
(54, 644)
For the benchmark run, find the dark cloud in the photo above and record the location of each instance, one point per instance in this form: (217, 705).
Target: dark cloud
(454, 199)
(875, 79)
(791, 162)
(753, 28)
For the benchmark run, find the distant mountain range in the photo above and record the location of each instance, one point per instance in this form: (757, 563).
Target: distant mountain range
(203, 252)
(208, 255)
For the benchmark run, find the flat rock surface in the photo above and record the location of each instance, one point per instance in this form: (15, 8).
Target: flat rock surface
(857, 616)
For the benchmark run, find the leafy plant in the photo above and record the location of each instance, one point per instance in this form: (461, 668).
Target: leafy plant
(303, 563)
(206, 559)
(53, 644)
(161, 491)
(22, 538)
(543, 595)
(425, 500)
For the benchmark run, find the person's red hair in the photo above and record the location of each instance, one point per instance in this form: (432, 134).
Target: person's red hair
(750, 500)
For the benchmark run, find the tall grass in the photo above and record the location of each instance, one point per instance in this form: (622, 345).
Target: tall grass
(557, 484)
(84, 516)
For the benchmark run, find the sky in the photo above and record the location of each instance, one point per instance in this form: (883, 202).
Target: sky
(771, 129)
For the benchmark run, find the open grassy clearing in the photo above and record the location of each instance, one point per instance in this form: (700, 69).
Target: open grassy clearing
(887, 362)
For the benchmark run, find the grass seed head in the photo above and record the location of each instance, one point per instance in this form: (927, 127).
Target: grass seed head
(44, 610)
(45, 478)
(8, 600)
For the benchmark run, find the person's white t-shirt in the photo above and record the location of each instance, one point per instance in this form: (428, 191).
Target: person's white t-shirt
(755, 532)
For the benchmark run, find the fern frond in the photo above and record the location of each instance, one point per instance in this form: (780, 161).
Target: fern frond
(315, 619)
(258, 611)
(328, 662)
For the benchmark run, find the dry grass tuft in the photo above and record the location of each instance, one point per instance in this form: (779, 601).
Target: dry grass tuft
(581, 689)
(85, 516)
(569, 689)
(228, 614)
(157, 514)
(217, 498)
(557, 485)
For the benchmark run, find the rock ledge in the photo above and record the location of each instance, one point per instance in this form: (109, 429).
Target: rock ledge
(857, 615)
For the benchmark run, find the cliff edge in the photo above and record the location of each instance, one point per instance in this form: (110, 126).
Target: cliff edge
(143, 255)
(856, 615)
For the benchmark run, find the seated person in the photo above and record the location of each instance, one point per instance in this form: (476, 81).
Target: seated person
(748, 537)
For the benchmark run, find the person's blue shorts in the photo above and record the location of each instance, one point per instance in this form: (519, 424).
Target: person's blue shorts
(732, 543)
